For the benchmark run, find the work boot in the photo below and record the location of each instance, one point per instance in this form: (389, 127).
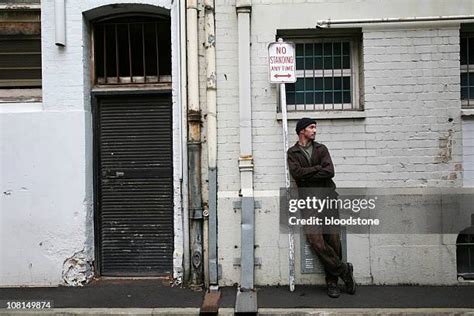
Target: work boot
(348, 278)
(333, 290)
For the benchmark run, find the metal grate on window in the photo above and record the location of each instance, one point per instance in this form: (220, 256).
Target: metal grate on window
(20, 48)
(324, 76)
(467, 69)
(132, 50)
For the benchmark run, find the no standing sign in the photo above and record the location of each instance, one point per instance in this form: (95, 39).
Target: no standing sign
(281, 62)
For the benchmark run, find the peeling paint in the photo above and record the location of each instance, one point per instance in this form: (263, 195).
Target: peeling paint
(446, 148)
(211, 41)
(178, 275)
(77, 270)
(211, 81)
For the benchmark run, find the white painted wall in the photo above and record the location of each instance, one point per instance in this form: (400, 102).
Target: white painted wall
(44, 209)
(411, 90)
(46, 163)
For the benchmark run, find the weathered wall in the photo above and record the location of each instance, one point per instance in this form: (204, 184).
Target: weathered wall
(411, 91)
(468, 151)
(410, 136)
(44, 206)
(46, 177)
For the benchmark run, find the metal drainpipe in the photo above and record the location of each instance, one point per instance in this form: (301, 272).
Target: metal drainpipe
(211, 139)
(329, 23)
(194, 146)
(246, 300)
(60, 22)
(184, 137)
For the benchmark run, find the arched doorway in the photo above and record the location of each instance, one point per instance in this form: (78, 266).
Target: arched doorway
(133, 144)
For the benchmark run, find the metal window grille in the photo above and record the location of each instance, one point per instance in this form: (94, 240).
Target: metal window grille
(132, 50)
(325, 76)
(20, 48)
(467, 69)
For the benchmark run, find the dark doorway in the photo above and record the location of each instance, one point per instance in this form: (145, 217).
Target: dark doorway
(465, 252)
(133, 183)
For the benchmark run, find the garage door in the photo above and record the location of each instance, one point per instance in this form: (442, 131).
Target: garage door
(134, 185)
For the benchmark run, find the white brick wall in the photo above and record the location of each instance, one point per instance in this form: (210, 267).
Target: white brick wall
(409, 101)
(411, 135)
(227, 141)
(227, 98)
(468, 151)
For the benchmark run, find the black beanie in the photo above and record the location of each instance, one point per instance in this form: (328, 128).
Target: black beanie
(303, 123)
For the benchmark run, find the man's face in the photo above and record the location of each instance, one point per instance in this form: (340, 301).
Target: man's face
(309, 132)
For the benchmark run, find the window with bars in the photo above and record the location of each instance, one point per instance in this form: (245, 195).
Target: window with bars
(467, 68)
(327, 75)
(20, 48)
(132, 50)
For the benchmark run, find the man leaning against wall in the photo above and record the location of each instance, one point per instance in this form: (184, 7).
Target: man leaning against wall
(311, 167)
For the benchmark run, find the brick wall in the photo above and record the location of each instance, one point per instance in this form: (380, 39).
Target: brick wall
(468, 151)
(411, 136)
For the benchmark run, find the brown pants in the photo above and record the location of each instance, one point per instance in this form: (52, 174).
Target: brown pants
(329, 251)
(324, 239)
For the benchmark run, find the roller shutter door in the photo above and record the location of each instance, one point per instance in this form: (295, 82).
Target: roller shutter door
(134, 185)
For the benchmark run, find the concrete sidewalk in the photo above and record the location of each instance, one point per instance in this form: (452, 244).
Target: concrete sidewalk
(154, 297)
(230, 311)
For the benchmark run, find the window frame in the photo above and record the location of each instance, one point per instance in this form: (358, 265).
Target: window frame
(354, 37)
(29, 89)
(30, 83)
(466, 31)
(161, 80)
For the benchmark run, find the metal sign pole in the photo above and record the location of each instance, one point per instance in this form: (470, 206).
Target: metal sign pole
(291, 236)
(282, 69)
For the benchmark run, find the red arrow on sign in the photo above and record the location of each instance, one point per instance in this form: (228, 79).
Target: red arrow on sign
(278, 76)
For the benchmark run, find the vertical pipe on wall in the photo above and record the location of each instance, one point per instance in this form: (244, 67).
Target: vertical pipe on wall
(246, 300)
(184, 152)
(194, 145)
(211, 137)
(60, 22)
(246, 158)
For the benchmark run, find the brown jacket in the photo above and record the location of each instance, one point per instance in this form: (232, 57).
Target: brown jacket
(317, 173)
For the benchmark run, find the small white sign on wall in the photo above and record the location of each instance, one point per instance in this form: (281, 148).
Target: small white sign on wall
(281, 62)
